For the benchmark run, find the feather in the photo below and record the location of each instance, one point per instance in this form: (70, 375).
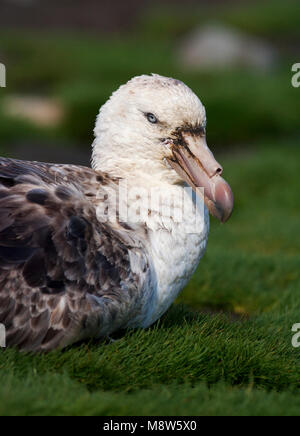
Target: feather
(55, 256)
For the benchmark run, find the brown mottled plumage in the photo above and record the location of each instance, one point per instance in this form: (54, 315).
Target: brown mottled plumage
(64, 276)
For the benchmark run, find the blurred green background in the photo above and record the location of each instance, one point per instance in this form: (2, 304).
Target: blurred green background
(74, 71)
(228, 350)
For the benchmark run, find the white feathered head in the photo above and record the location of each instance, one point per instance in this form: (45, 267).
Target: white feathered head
(153, 127)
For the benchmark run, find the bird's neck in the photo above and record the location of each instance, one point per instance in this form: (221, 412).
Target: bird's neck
(172, 227)
(147, 192)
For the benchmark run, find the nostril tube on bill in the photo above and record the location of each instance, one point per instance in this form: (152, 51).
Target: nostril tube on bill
(216, 171)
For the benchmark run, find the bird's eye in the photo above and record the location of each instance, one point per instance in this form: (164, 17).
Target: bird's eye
(151, 118)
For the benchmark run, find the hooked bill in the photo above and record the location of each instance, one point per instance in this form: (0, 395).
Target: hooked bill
(195, 163)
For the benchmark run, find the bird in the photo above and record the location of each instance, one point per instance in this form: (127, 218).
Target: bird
(84, 251)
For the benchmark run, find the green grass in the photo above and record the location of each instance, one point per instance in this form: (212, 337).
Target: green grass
(225, 349)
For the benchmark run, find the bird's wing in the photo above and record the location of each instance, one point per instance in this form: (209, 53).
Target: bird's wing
(63, 275)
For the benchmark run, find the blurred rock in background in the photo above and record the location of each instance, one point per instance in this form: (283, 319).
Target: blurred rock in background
(218, 47)
(41, 111)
